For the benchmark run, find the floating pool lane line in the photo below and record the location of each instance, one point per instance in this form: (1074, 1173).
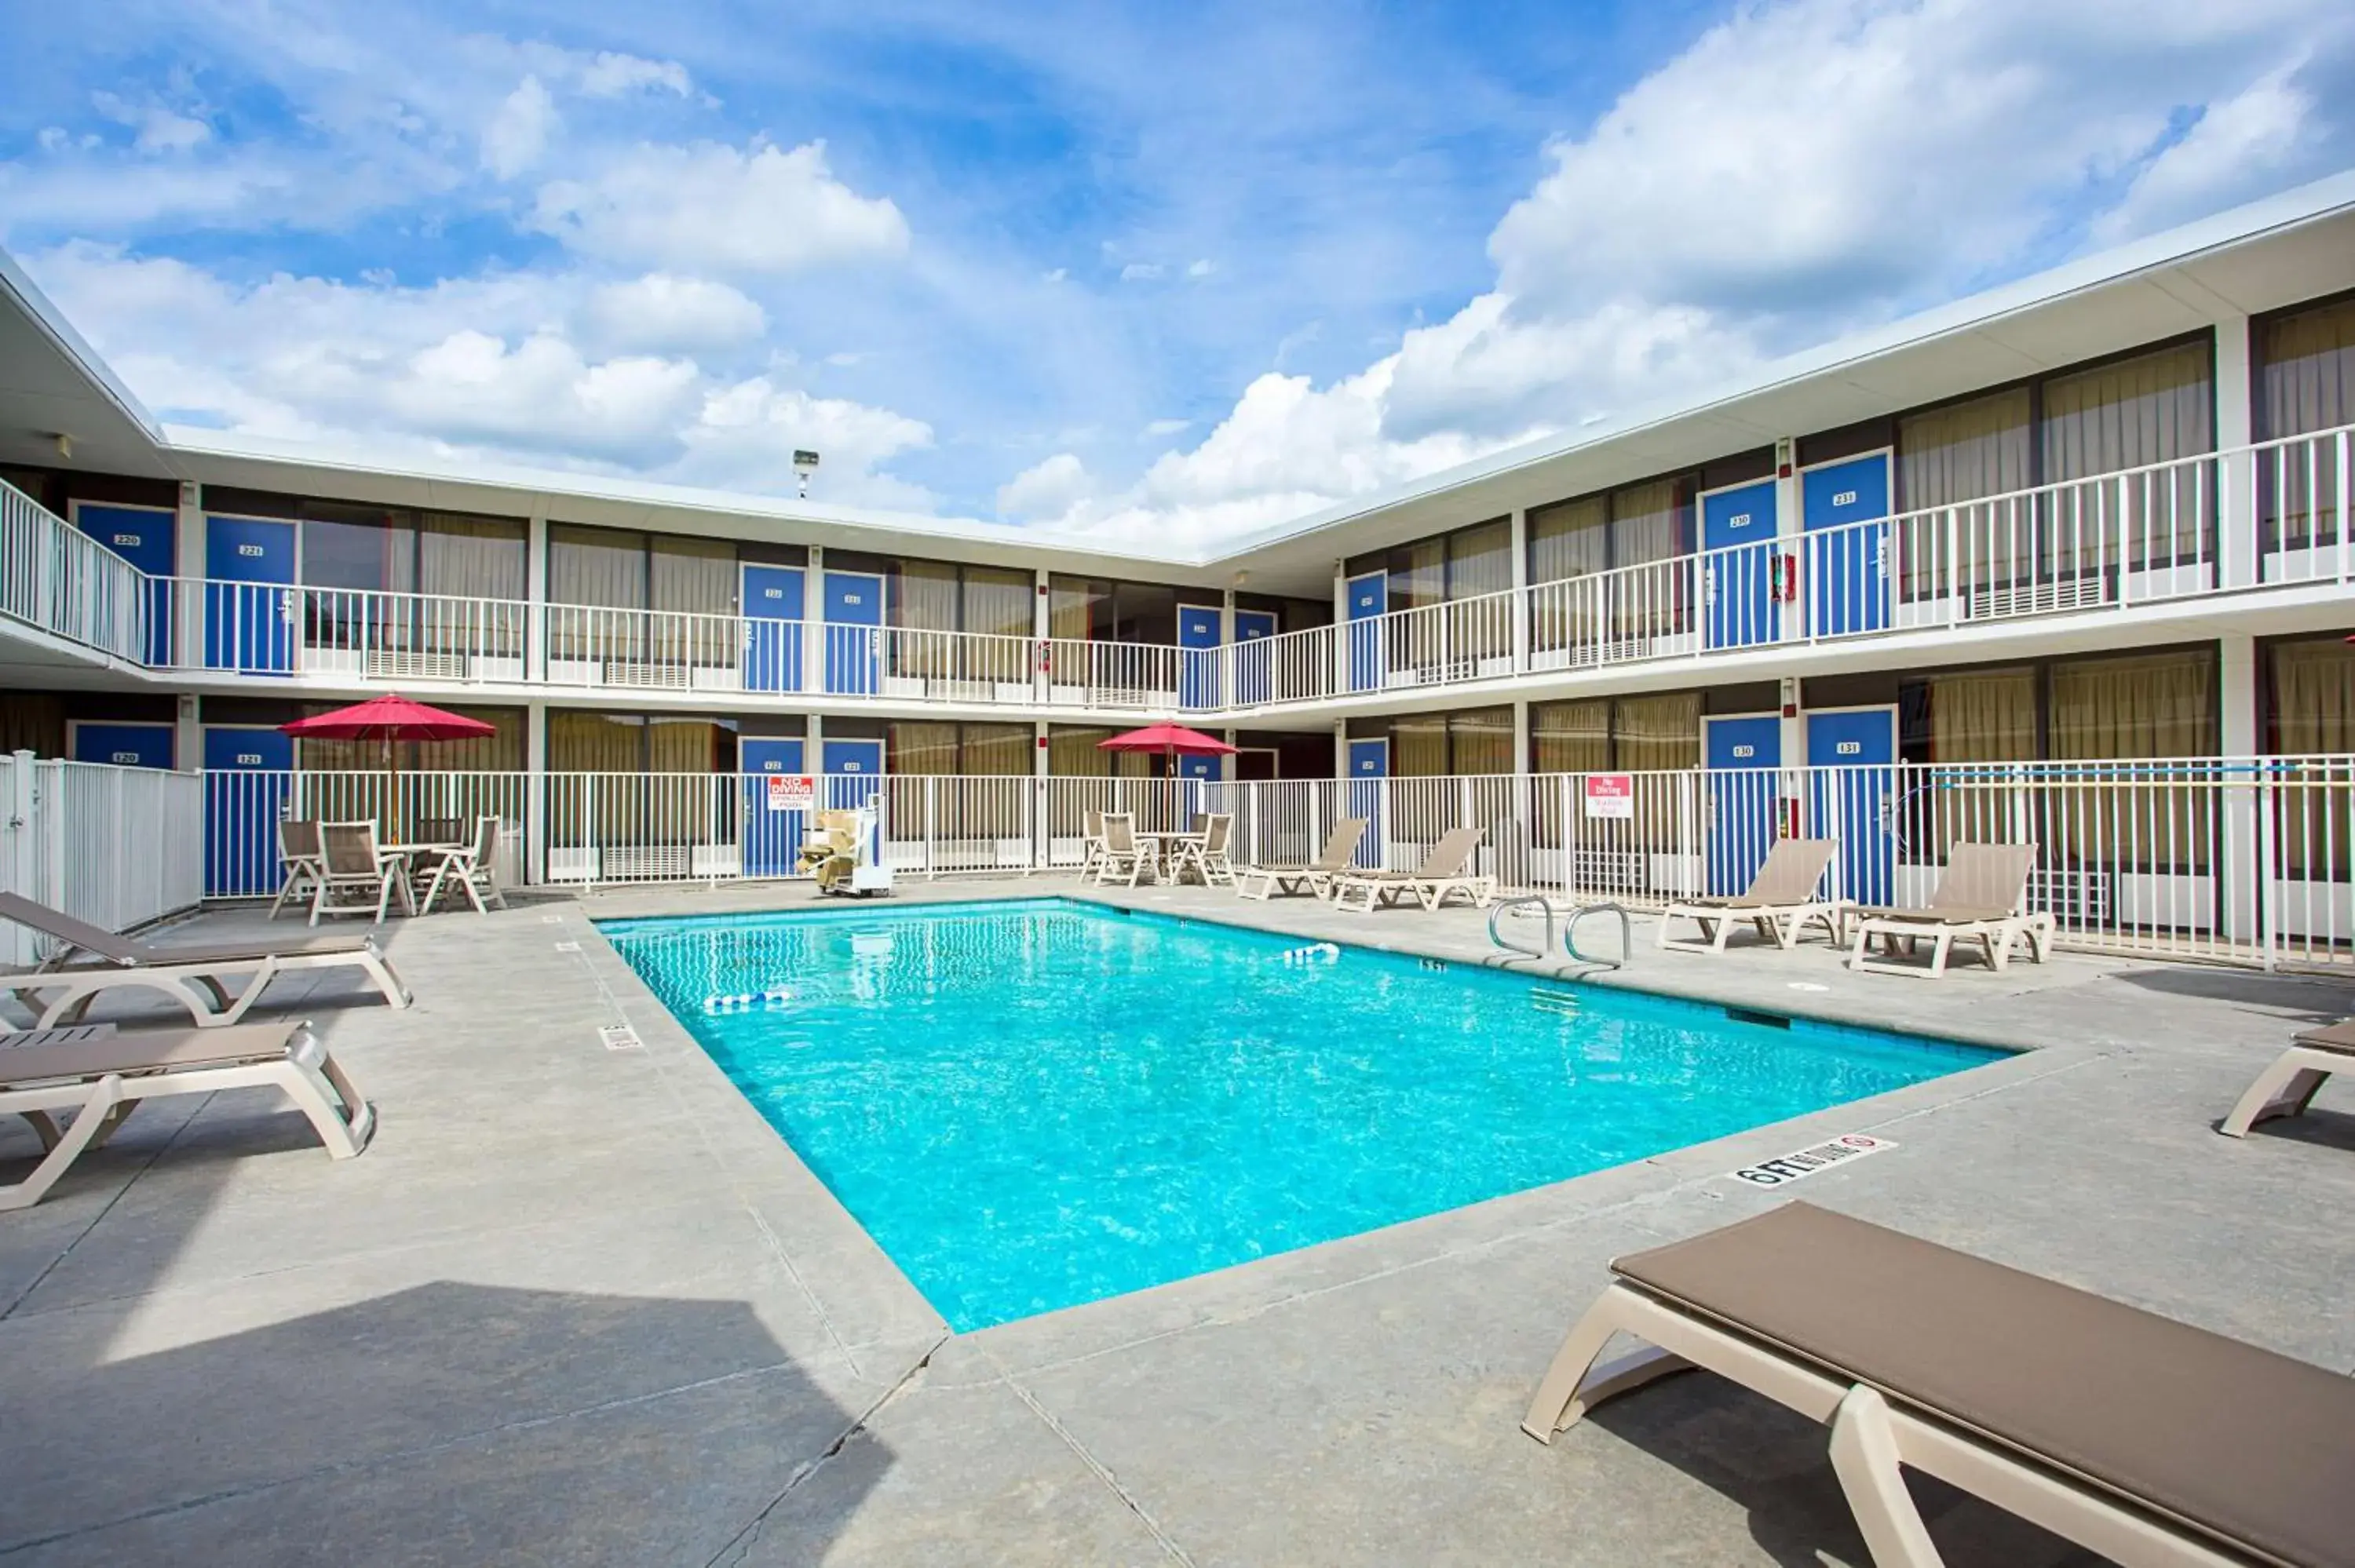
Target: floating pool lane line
(1315, 953)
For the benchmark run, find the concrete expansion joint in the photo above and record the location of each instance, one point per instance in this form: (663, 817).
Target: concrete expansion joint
(742, 1543)
(104, 1209)
(1097, 1468)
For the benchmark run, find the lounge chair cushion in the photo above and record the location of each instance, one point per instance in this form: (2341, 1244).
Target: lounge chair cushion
(1949, 915)
(147, 1050)
(2240, 1443)
(295, 945)
(2339, 1036)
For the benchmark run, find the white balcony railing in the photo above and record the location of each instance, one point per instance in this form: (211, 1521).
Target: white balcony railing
(2270, 515)
(56, 578)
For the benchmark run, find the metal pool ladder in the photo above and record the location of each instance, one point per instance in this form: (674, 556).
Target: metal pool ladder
(1568, 930)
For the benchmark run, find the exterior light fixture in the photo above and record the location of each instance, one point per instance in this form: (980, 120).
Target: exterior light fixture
(805, 465)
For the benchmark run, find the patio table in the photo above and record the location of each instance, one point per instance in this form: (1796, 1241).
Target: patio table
(1165, 844)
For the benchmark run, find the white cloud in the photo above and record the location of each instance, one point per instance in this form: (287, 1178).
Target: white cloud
(1141, 272)
(1201, 268)
(664, 311)
(744, 437)
(1048, 489)
(611, 75)
(517, 134)
(1167, 427)
(1802, 169)
(159, 129)
(718, 208)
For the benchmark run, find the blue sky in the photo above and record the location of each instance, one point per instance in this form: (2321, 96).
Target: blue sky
(1142, 270)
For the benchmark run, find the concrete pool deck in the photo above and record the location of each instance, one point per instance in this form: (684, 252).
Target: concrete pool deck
(582, 1305)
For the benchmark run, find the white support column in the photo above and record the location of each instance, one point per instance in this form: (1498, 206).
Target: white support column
(2236, 673)
(1340, 749)
(1340, 674)
(535, 764)
(1795, 752)
(188, 608)
(1790, 622)
(1520, 534)
(1225, 662)
(814, 634)
(2236, 521)
(534, 644)
(187, 737)
(1042, 628)
(1040, 756)
(1521, 737)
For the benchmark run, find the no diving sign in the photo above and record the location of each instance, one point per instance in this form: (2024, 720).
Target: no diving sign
(1797, 1167)
(792, 791)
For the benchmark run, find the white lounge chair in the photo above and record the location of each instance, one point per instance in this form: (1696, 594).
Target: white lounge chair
(1339, 853)
(1781, 899)
(472, 870)
(1441, 876)
(2288, 1084)
(96, 1075)
(1978, 899)
(1124, 855)
(91, 960)
(298, 850)
(2145, 1440)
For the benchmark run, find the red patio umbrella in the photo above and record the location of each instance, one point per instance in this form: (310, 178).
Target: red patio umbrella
(388, 718)
(1169, 739)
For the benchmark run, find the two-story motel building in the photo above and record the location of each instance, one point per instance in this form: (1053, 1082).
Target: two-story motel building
(2099, 516)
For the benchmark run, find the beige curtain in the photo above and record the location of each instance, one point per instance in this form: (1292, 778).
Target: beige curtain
(604, 568)
(479, 557)
(1650, 522)
(923, 745)
(2307, 383)
(1569, 539)
(1480, 740)
(594, 743)
(1570, 738)
(997, 600)
(1419, 747)
(1989, 717)
(928, 596)
(2153, 408)
(682, 745)
(1417, 574)
(1071, 612)
(1480, 559)
(1661, 731)
(1957, 454)
(997, 750)
(1072, 753)
(2314, 713)
(2147, 706)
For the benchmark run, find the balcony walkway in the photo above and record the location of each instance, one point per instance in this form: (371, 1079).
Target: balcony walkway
(581, 1306)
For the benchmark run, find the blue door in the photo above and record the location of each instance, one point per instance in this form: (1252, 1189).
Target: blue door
(854, 774)
(123, 744)
(1367, 597)
(772, 630)
(1198, 656)
(1361, 795)
(1737, 530)
(771, 837)
(854, 616)
(249, 606)
(1847, 572)
(1744, 757)
(149, 539)
(1202, 767)
(1854, 752)
(248, 776)
(1254, 656)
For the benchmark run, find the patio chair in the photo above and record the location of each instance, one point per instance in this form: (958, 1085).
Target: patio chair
(1780, 901)
(1441, 876)
(1208, 855)
(355, 877)
(298, 850)
(1977, 899)
(471, 870)
(2288, 1084)
(1124, 854)
(61, 989)
(97, 1076)
(1092, 841)
(2142, 1439)
(1339, 853)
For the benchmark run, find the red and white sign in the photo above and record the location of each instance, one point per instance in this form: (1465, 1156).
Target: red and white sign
(1610, 795)
(791, 792)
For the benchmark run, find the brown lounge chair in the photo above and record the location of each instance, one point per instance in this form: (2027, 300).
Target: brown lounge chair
(1977, 899)
(2138, 1438)
(1441, 875)
(1316, 875)
(2286, 1086)
(1780, 900)
(61, 989)
(98, 1075)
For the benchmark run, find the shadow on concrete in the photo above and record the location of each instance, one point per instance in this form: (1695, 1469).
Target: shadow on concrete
(1776, 1465)
(2315, 1125)
(2299, 999)
(448, 1423)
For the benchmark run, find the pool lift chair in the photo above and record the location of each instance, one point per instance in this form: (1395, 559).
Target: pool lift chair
(840, 851)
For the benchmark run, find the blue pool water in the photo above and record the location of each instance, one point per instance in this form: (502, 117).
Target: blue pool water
(1034, 1104)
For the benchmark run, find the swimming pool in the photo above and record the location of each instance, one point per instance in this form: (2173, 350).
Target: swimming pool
(1036, 1103)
